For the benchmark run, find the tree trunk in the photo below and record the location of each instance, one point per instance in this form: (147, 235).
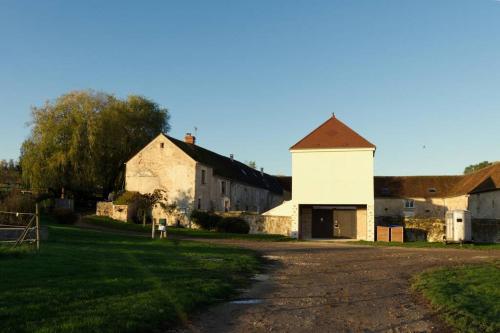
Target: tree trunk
(144, 218)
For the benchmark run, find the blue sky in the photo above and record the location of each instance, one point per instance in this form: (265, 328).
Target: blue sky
(257, 76)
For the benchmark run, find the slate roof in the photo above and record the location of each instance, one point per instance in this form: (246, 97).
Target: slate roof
(333, 134)
(286, 182)
(227, 168)
(483, 180)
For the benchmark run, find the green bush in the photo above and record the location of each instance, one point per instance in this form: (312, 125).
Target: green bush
(234, 225)
(127, 197)
(65, 216)
(204, 220)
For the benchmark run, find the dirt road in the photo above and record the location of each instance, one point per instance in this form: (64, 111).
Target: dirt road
(325, 287)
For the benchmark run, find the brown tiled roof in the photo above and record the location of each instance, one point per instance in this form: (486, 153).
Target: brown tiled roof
(332, 134)
(231, 169)
(486, 179)
(415, 186)
(483, 180)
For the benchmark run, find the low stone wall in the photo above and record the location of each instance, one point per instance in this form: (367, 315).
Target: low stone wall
(261, 224)
(486, 230)
(432, 230)
(124, 213)
(416, 229)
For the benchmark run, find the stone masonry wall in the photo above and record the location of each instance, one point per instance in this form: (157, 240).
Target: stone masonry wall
(262, 224)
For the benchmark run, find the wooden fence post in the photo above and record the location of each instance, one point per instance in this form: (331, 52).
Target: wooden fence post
(153, 229)
(37, 219)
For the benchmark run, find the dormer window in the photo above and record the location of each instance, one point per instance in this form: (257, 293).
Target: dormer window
(432, 190)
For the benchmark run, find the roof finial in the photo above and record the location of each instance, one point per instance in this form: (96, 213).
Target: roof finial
(333, 114)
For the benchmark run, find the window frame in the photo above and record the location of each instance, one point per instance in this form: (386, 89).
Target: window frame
(409, 204)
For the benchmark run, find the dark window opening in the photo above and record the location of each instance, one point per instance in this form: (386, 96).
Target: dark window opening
(432, 190)
(162, 145)
(223, 187)
(203, 176)
(199, 203)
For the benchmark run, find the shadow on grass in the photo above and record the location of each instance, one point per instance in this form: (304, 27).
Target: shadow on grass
(90, 281)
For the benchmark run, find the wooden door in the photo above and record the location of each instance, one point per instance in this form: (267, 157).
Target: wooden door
(345, 223)
(322, 223)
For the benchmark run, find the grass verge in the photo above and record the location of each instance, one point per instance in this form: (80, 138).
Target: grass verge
(185, 232)
(421, 244)
(467, 297)
(90, 281)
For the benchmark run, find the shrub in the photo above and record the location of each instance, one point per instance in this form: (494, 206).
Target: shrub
(235, 225)
(65, 216)
(127, 197)
(16, 201)
(205, 221)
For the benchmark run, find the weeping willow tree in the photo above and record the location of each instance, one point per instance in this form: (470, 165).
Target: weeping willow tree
(81, 140)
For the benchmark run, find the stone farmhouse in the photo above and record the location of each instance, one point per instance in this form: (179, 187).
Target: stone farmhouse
(433, 196)
(197, 178)
(332, 192)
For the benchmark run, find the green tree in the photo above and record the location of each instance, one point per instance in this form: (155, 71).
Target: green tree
(252, 164)
(81, 140)
(475, 167)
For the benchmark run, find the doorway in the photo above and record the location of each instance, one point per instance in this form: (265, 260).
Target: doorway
(322, 223)
(345, 224)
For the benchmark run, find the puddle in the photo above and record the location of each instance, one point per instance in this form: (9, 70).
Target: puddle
(247, 301)
(261, 277)
(272, 257)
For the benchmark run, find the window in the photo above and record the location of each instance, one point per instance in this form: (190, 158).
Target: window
(199, 203)
(223, 187)
(409, 204)
(432, 190)
(162, 145)
(203, 177)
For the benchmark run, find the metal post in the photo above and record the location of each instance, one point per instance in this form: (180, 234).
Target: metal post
(37, 212)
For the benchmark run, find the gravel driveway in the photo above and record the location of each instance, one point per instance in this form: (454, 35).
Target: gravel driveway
(326, 287)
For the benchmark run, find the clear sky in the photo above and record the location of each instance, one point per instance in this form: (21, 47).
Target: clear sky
(420, 79)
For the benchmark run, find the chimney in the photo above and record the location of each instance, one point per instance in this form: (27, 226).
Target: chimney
(190, 139)
(231, 156)
(262, 172)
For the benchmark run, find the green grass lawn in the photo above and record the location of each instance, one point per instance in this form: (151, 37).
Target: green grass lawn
(91, 281)
(467, 297)
(421, 244)
(194, 233)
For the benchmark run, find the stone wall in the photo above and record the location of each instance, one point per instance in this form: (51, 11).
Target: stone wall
(485, 205)
(124, 213)
(423, 207)
(417, 229)
(262, 224)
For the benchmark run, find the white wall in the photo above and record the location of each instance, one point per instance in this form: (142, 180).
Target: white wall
(332, 176)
